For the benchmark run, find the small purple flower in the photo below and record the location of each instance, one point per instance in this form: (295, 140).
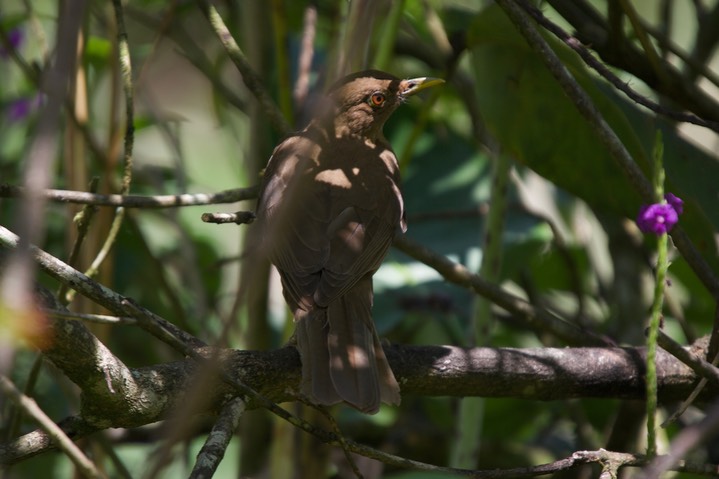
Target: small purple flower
(660, 218)
(676, 202)
(15, 37)
(21, 107)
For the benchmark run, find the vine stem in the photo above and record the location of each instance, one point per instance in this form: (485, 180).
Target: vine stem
(658, 302)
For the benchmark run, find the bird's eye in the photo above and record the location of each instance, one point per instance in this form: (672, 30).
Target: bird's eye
(377, 99)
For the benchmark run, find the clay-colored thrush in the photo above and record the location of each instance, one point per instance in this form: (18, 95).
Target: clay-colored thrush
(329, 207)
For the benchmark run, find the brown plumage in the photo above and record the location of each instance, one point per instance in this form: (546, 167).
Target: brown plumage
(329, 208)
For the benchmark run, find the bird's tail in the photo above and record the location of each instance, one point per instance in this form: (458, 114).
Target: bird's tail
(342, 357)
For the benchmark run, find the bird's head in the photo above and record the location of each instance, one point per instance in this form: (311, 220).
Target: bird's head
(363, 101)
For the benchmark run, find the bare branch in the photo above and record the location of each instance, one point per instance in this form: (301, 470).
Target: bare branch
(240, 217)
(219, 438)
(692, 359)
(540, 374)
(592, 30)
(137, 201)
(58, 436)
(160, 328)
(92, 318)
(607, 74)
(533, 316)
(252, 80)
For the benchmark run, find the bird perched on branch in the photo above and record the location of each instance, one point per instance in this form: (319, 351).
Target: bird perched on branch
(329, 207)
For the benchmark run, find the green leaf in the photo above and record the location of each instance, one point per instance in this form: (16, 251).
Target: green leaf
(98, 50)
(534, 120)
(529, 113)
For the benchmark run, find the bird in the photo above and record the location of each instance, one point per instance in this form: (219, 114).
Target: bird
(329, 207)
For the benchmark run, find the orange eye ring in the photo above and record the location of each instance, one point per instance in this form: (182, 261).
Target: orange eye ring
(377, 99)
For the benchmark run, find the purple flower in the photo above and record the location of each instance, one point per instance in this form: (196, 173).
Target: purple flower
(18, 109)
(676, 202)
(14, 37)
(659, 218)
(21, 107)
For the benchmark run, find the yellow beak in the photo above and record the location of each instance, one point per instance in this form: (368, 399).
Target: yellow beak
(413, 85)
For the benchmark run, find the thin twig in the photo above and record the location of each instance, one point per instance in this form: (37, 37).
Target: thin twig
(16, 415)
(239, 217)
(138, 201)
(58, 436)
(695, 67)
(533, 316)
(190, 50)
(649, 51)
(688, 439)
(607, 74)
(212, 452)
(160, 328)
(342, 440)
(83, 220)
(251, 79)
(126, 73)
(698, 364)
(92, 318)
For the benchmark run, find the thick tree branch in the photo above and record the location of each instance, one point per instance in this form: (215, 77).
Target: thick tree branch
(106, 383)
(538, 374)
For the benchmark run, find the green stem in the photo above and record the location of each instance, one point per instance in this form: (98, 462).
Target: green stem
(654, 323)
(465, 450)
(385, 48)
(128, 88)
(284, 90)
(656, 316)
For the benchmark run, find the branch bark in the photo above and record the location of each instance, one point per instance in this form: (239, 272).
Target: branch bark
(137, 201)
(538, 374)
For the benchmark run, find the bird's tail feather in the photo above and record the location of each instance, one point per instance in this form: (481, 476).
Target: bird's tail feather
(342, 357)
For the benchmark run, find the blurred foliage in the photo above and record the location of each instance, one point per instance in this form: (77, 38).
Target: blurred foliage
(568, 229)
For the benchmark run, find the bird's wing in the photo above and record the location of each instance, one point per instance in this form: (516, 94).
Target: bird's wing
(293, 213)
(362, 230)
(325, 228)
(359, 242)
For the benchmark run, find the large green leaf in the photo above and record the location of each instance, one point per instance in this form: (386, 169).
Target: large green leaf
(536, 122)
(533, 119)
